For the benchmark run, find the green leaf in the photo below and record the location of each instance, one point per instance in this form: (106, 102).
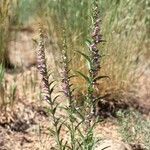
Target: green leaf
(100, 77)
(81, 116)
(60, 142)
(80, 132)
(35, 41)
(52, 89)
(72, 76)
(51, 83)
(57, 121)
(65, 145)
(66, 108)
(72, 90)
(84, 76)
(68, 147)
(80, 145)
(59, 128)
(76, 127)
(70, 85)
(89, 62)
(88, 42)
(52, 132)
(105, 147)
(55, 98)
(85, 56)
(49, 74)
(68, 71)
(67, 126)
(54, 110)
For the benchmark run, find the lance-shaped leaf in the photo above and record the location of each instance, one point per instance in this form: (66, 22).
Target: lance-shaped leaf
(77, 126)
(72, 76)
(88, 79)
(69, 61)
(100, 77)
(51, 83)
(85, 56)
(52, 89)
(68, 126)
(52, 132)
(80, 115)
(88, 43)
(49, 74)
(59, 128)
(70, 85)
(54, 109)
(68, 71)
(68, 147)
(64, 107)
(89, 62)
(73, 90)
(56, 121)
(65, 145)
(60, 142)
(55, 98)
(80, 133)
(80, 145)
(105, 147)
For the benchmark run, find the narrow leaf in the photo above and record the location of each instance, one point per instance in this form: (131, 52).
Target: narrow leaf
(59, 129)
(72, 76)
(55, 108)
(85, 56)
(76, 127)
(52, 132)
(88, 42)
(100, 77)
(55, 98)
(52, 89)
(65, 145)
(105, 147)
(51, 83)
(84, 76)
(80, 115)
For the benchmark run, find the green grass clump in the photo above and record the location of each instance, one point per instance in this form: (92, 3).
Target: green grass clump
(134, 128)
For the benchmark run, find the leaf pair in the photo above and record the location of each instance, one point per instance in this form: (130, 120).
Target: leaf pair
(89, 80)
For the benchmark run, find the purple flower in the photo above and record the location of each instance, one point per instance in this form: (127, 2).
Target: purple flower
(66, 86)
(42, 67)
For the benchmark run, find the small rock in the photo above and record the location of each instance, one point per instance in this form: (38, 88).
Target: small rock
(112, 145)
(21, 51)
(19, 126)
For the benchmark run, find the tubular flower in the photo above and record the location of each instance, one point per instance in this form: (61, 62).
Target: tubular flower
(42, 67)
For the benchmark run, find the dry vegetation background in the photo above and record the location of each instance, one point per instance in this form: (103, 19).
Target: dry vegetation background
(24, 123)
